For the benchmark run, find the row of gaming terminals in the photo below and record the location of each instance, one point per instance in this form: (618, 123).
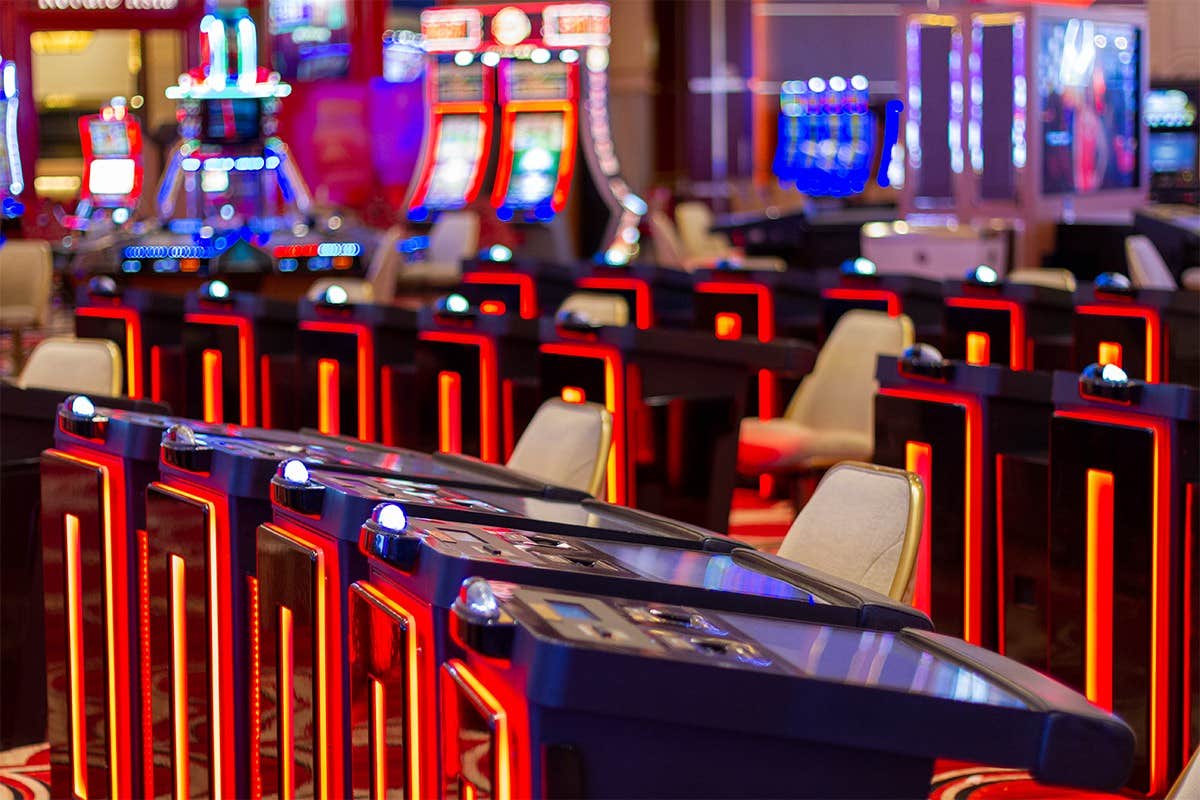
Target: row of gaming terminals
(245, 612)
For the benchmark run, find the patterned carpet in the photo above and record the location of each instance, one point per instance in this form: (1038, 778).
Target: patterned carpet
(25, 773)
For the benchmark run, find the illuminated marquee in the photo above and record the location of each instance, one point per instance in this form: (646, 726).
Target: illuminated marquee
(107, 5)
(581, 25)
(448, 29)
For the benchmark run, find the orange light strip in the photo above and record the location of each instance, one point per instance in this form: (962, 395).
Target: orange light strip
(866, 296)
(1110, 353)
(1098, 648)
(145, 659)
(1016, 324)
(285, 708)
(75, 656)
(179, 700)
(727, 325)
(329, 416)
(255, 687)
(133, 342)
(378, 741)
(499, 719)
(365, 353)
(979, 349)
(412, 673)
(918, 459)
(1154, 354)
(526, 288)
(1160, 578)
(156, 373)
(449, 412)
(643, 307)
(573, 394)
(214, 391)
(1189, 594)
(492, 307)
(248, 389)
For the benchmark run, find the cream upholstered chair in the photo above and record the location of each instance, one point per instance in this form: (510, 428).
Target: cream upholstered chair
(454, 237)
(385, 265)
(670, 251)
(82, 366)
(601, 308)
(694, 222)
(566, 444)
(863, 523)
(1049, 278)
(1147, 270)
(26, 274)
(831, 417)
(357, 289)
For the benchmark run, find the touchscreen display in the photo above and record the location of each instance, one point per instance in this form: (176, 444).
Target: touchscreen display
(109, 137)
(537, 145)
(701, 570)
(456, 160)
(111, 176)
(871, 658)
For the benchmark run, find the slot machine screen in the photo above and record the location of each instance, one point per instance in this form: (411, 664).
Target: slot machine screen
(109, 138)
(1088, 89)
(111, 176)
(459, 149)
(231, 121)
(1173, 153)
(537, 145)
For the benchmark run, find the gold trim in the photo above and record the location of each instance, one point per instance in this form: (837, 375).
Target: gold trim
(600, 468)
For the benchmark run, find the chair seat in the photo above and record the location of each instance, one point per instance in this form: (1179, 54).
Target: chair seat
(18, 316)
(779, 444)
(431, 273)
(1191, 279)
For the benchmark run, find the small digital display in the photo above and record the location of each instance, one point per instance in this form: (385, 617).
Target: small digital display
(537, 144)
(530, 81)
(455, 161)
(700, 570)
(111, 176)
(1088, 90)
(872, 658)
(457, 84)
(570, 610)
(109, 138)
(1173, 152)
(231, 121)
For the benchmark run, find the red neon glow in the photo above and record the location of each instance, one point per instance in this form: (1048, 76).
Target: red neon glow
(247, 387)
(1098, 646)
(378, 716)
(365, 369)
(617, 490)
(1154, 348)
(144, 657)
(972, 499)
(1110, 353)
(573, 394)
(728, 325)
(133, 135)
(1017, 345)
(75, 656)
(285, 706)
(1189, 592)
(180, 759)
(643, 316)
(156, 373)
(503, 783)
(489, 390)
(493, 307)
(214, 394)
(134, 370)
(918, 459)
(507, 412)
(1000, 586)
(866, 296)
(449, 412)
(329, 413)
(979, 349)
(1160, 577)
(388, 403)
(526, 288)
(255, 687)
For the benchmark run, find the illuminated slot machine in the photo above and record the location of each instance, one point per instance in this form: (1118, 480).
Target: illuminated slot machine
(356, 364)
(1149, 333)
(145, 326)
(793, 131)
(990, 320)
(112, 164)
(1121, 626)
(12, 177)
(239, 357)
(485, 366)
(571, 694)
(400, 616)
(971, 433)
(1174, 139)
(310, 554)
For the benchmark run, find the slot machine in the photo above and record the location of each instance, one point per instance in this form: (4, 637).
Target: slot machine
(12, 178)
(112, 163)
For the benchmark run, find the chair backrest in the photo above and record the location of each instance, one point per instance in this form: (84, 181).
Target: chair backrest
(357, 289)
(1147, 270)
(839, 393)
(26, 275)
(453, 237)
(600, 307)
(66, 364)
(862, 523)
(668, 250)
(566, 444)
(385, 264)
(1050, 278)
(694, 221)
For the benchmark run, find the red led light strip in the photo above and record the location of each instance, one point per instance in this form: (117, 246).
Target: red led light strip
(247, 388)
(1016, 325)
(1098, 640)
(1154, 349)
(489, 390)
(134, 370)
(365, 369)
(918, 459)
(329, 413)
(499, 718)
(866, 296)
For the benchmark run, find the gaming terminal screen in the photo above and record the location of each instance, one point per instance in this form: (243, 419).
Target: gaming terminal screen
(109, 138)
(537, 148)
(872, 658)
(1088, 88)
(459, 149)
(231, 121)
